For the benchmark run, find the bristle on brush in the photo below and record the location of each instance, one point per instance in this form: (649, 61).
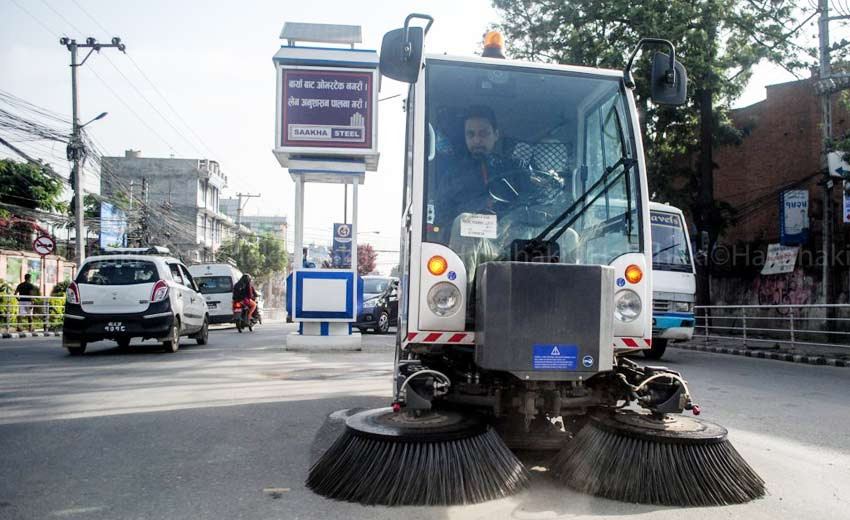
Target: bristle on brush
(614, 464)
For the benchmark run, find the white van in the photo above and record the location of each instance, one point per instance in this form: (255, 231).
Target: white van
(216, 283)
(673, 279)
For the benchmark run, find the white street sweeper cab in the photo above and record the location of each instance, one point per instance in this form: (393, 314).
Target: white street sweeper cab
(525, 276)
(526, 248)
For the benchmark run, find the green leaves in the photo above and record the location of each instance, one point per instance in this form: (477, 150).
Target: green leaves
(260, 256)
(27, 186)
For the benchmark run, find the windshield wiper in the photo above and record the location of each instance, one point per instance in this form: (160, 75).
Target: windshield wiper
(664, 249)
(627, 164)
(535, 246)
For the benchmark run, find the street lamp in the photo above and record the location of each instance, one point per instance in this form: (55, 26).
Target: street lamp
(98, 118)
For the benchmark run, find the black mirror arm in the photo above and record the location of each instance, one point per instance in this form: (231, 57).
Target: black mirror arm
(408, 49)
(671, 73)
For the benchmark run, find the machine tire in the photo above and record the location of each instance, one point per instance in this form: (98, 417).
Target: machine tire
(203, 335)
(77, 351)
(173, 343)
(383, 324)
(656, 350)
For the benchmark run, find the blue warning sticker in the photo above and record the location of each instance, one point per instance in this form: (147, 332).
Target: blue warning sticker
(555, 357)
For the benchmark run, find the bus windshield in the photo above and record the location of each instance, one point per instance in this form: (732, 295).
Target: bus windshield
(669, 243)
(518, 153)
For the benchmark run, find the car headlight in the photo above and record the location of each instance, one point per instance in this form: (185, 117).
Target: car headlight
(627, 306)
(444, 299)
(371, 302)
(682, 306)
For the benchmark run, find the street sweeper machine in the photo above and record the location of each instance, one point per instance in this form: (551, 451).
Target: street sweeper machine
(525, 284)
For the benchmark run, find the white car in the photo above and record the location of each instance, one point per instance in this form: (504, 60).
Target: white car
(216, 283)
(133, 293)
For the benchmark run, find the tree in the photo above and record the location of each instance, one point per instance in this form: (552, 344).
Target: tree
(25, 188)
(718, 41)
(261, 256)
(366, 257)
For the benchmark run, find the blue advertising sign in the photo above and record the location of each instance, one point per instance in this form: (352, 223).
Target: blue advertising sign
(113, 226)
(793, 217)
(341, 249)
(327, 108)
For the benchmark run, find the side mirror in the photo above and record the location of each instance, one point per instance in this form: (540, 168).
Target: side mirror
(669, 85)
(401, 54)
(401, 50)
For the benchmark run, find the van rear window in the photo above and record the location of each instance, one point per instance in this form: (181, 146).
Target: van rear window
(214, 284)
(118, 272)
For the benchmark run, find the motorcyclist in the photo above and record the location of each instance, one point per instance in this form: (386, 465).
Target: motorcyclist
(245, 293)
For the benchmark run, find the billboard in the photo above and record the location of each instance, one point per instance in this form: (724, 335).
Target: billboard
(793, 217)
(113, 226)
(327, 108)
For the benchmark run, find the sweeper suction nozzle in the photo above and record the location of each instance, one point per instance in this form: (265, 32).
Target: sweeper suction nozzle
(436, 458)
(656, 459)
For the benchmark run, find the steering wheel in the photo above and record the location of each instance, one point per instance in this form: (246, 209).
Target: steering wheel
(524, 186)
(527, 191)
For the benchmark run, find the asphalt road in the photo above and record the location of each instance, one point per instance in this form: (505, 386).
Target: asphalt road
(229, 430)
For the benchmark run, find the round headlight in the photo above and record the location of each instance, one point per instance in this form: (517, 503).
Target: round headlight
(444, 299)
(627, 306)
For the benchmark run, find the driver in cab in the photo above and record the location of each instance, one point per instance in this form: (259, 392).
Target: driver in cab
(466, 185)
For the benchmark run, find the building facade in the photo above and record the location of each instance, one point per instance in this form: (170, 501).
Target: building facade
(174, 202)
(780, 150)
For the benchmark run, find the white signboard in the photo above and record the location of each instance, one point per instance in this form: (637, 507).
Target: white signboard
(478, 226)
(795, 217)
(780, 259)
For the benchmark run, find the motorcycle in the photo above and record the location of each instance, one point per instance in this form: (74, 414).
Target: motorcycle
(240, 317)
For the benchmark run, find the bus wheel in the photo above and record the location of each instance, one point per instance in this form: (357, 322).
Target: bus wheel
(657, 349)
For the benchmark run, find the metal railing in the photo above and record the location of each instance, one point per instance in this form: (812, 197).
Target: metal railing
(817, 325)
(31, 313)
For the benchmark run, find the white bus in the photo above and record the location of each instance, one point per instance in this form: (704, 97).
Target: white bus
(673, 278)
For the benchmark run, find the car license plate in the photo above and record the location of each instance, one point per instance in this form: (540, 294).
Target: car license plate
(114, 326)
(212, 305)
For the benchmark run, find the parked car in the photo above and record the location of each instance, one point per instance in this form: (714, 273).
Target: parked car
(133, 293)
(380, 304)
(216, 283)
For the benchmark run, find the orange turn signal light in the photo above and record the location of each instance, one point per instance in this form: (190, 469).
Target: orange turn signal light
(634, 274)
(437, 265)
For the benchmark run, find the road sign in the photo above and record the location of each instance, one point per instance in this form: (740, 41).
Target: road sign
(44, 245)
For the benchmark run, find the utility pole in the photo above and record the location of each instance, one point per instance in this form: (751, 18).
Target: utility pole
(826, 134)
(76, 149)
(239, 208)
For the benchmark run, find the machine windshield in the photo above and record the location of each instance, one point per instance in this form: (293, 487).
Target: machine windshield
(669, 243)
(515, 154)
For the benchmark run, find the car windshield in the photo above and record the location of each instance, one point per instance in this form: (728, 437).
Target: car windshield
(515, 152)
(117, 272)
(669, 243)
(214, 284)
(375, 285)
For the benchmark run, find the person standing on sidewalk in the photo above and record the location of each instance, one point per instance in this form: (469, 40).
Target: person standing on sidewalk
(25, 304)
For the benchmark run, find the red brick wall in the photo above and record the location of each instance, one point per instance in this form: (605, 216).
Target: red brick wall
(782, 147)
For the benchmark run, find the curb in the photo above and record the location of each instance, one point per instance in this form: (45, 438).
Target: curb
(19, 335)
(761, 354)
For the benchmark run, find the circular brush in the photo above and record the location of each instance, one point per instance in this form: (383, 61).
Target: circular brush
(666, 460)
(440, 458)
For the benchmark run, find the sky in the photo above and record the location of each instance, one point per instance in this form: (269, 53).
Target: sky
(197, 81)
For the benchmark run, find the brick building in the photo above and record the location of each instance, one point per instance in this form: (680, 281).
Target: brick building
(780, 150)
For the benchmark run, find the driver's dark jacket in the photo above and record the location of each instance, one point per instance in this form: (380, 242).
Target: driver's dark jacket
(460, 186)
